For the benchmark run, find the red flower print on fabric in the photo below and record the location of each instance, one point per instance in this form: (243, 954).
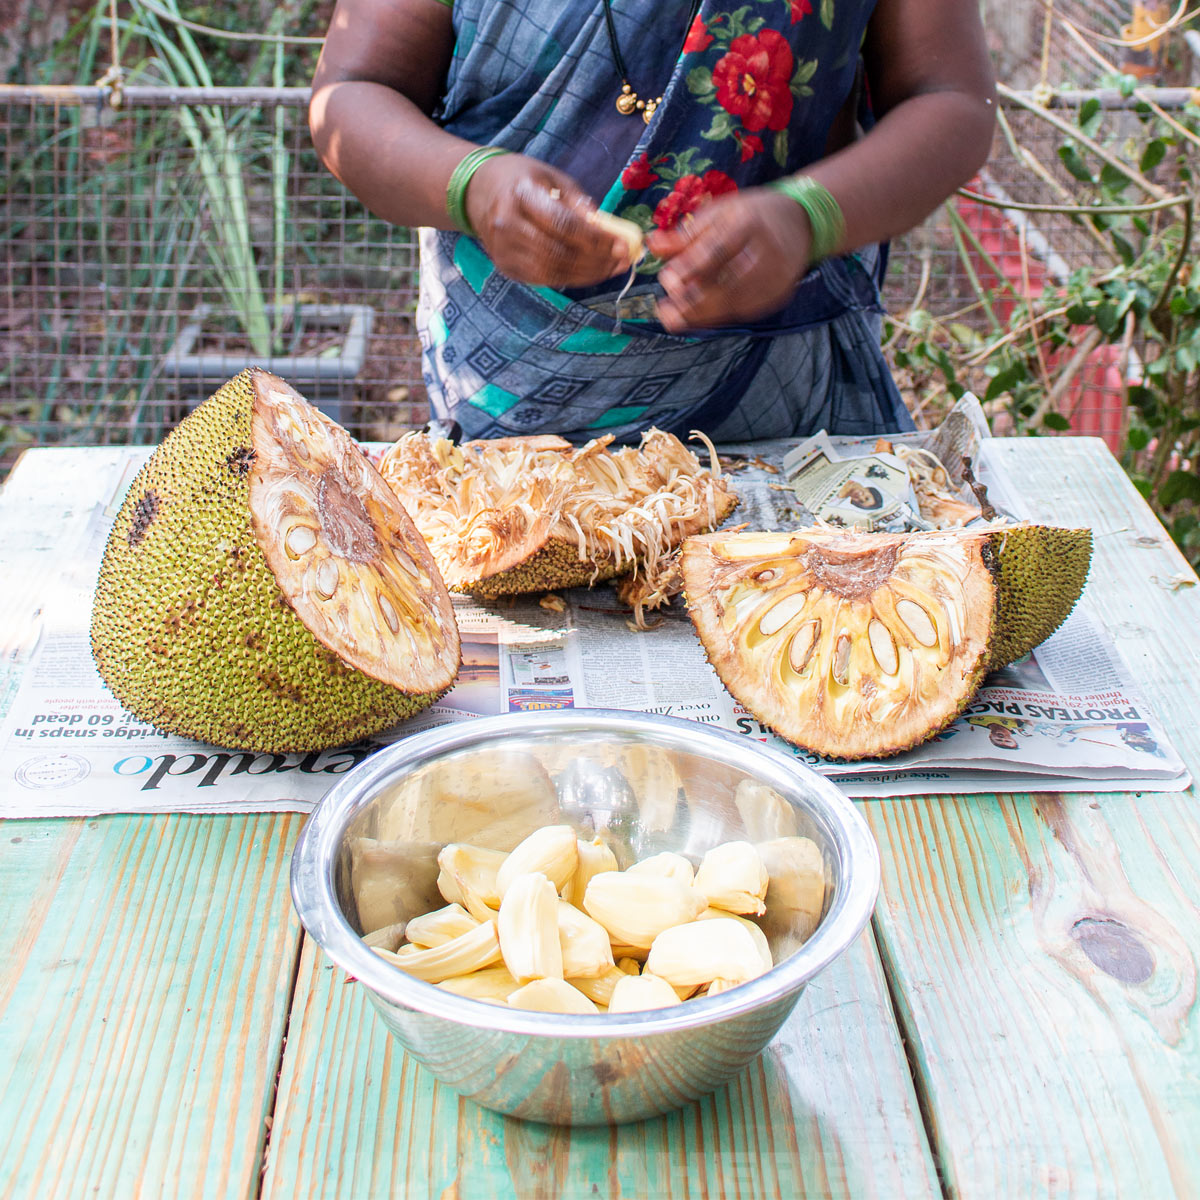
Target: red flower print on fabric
(800, 9)
(699, 39)
(689, 194)
(750, 143)
(753, 79)
(638, 174)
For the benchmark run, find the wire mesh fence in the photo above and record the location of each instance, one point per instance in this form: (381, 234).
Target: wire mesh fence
(153, 249)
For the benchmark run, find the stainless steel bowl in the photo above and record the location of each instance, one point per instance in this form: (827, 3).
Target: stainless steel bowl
(647, 783)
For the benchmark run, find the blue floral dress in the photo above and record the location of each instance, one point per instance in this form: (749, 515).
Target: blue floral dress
(748, 95)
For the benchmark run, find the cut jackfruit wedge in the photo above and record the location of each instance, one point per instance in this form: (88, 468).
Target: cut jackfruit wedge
(864, 645)
(262, 588)
(536, 514)
(343, 551)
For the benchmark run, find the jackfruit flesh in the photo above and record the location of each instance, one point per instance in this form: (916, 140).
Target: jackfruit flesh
(262, 588)
(864, 645)
(650, 911)
(535, 514)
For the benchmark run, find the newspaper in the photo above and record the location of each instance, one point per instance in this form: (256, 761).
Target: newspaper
(910, 482)
(1068, 718)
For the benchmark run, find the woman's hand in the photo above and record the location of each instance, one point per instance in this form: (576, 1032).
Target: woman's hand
(533, 221)
(738, 258)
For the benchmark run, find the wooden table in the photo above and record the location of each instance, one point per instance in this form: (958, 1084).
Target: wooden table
(1019, 1021)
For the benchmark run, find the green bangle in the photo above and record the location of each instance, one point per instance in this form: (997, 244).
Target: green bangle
(824, 213)
(456, 188)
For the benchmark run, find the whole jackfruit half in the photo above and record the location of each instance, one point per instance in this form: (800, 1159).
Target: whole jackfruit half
(866, 644)
(534, 514)
(262, 588)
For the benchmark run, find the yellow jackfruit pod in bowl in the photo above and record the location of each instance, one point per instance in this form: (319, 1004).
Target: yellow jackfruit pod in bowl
(567, 1064)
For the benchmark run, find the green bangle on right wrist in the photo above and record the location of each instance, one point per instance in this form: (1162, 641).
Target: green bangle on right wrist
(824, 213)
(460, 177)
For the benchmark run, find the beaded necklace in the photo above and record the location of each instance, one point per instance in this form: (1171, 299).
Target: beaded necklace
(628, 102)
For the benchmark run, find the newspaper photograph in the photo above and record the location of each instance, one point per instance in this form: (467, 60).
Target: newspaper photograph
(895, 485)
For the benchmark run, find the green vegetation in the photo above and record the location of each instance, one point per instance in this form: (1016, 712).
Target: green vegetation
(1138, 296)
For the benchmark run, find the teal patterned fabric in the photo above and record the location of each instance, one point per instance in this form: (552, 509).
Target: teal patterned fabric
(750, 96)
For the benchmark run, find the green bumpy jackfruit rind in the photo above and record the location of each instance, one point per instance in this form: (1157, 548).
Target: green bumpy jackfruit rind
(1042, 573)
(190, 630)
(554, 567)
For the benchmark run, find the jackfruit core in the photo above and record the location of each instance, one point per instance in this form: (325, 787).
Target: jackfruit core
(262, 588)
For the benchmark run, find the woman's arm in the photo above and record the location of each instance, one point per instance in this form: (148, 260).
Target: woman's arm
(379, 78)
(932, 92)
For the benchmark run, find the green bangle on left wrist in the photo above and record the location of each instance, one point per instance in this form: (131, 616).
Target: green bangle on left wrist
(460, 177)
(824, 213)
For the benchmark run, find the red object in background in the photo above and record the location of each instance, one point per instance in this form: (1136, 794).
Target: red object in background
(1095, 401)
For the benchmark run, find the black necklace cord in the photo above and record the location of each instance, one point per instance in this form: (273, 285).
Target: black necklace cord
(615, 46)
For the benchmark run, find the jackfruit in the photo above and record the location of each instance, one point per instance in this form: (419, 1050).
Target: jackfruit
(866, 644)
(594, 858)
(636, 908)
(698, 952)
(732, 877)
(492, 985)
(550, 850)
(668, 863)
(638, 993)
(551, 995)
(629, 232)
(528, 923)
(262, 589)
(658, 909)
(599, 988)
(537, 514)
(586, 950)
(467, 876)
(440, 926)
(480, 947)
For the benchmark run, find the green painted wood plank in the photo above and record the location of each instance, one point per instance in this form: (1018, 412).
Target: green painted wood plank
(147, 968)
(1041, 949)
(828, 1110)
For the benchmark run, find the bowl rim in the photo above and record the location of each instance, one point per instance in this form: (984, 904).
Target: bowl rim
(314, 895)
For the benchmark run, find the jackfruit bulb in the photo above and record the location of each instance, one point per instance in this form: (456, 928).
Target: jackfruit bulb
(857, 645)
(263, 589)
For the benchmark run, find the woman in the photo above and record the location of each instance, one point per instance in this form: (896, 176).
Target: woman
(732, 134)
